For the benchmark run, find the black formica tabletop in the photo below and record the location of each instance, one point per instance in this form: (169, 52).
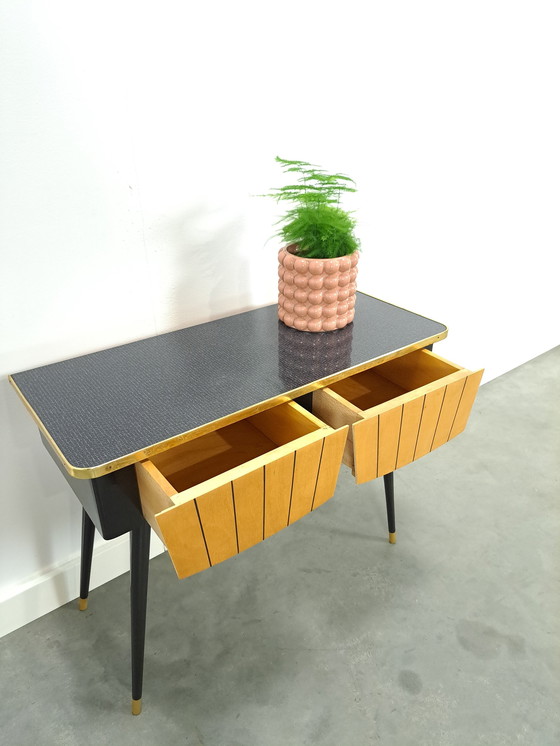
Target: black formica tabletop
(111, 408)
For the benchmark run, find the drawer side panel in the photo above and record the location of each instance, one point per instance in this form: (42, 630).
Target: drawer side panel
(337, 412)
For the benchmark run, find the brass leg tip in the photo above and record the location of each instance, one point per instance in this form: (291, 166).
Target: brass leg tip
(392, 538)
(82, 604)
(136, 706)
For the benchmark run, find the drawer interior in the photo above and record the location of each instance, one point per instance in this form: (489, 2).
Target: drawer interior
(196, 461)
(393, 378)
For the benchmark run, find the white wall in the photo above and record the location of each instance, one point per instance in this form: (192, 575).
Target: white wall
(133, 135)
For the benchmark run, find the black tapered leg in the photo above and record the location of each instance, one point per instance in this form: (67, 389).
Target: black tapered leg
(88, 534)
(390, 500)
(139, 567)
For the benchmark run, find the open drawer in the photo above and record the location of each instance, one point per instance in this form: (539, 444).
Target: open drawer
(398, 411)
(212, 497)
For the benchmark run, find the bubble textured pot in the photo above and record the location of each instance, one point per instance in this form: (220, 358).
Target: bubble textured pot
(316, 295)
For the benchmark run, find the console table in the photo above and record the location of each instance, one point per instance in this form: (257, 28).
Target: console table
(219, 435)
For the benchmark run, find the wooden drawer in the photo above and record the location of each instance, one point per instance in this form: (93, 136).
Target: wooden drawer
(215, 496)
(398, 411)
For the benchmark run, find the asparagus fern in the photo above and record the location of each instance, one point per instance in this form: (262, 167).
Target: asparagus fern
(316, 223)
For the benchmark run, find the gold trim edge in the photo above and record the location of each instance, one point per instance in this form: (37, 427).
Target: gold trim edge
(164, 445)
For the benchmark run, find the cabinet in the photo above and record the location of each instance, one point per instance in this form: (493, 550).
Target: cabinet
(219, 435)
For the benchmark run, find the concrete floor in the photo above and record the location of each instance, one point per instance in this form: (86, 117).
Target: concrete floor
(326, 634)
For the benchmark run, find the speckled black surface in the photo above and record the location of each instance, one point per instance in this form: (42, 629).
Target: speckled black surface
(103, 406)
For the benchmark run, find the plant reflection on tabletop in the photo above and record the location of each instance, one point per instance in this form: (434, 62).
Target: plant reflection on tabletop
(305, 357)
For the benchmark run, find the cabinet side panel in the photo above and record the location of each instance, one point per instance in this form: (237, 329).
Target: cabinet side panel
(111, 501)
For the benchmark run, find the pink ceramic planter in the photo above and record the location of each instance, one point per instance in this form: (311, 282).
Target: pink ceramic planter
(316, 295)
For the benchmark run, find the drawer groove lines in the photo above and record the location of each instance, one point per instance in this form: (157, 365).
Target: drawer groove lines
(438, 418)
(203, 536)
(318, 472)
(264, 504)
(291, 491)
(418, 431)
(377, 449)
(399, 441)
(235, 517)
(458, 406)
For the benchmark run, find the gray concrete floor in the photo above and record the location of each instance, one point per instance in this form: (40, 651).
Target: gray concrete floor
(326, 634)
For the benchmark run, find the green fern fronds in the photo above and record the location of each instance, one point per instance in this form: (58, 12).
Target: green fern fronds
(316, 223)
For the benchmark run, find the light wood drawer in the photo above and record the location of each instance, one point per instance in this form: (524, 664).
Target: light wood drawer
(398, 411)
(215, 496)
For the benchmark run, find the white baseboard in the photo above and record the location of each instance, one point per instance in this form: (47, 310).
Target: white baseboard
(55, 586)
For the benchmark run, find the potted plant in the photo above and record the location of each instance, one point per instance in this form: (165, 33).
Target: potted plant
(318, 265)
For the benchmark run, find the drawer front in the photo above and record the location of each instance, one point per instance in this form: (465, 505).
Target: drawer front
(233, 511)
(404, 428)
